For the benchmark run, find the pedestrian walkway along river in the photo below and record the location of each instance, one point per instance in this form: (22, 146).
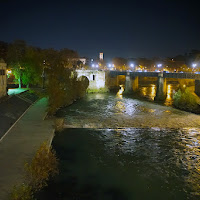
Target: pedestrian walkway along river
(20, 145)
(116, 147)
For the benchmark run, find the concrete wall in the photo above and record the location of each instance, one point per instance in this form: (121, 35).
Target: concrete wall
(3, 79)
(96, 78)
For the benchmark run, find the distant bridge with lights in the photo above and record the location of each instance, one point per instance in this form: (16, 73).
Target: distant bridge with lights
(98, 79)
(132, 82)
(156, 74)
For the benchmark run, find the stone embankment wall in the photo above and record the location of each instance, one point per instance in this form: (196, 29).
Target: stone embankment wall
(13, 107)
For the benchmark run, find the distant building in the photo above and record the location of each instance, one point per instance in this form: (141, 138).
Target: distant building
(101, 56)
(77, 60)
(3, 78)
(83, 60)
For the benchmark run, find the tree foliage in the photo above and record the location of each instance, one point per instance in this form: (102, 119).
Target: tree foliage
(25, 62)
(64, 88)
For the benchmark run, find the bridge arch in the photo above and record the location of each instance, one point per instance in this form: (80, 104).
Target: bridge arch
(96, 78)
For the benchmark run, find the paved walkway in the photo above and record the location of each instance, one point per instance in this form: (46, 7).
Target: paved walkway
(16, 91)
(20, 145)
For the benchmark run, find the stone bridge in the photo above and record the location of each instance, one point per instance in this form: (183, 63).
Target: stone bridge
(97, 79)
(131, 83)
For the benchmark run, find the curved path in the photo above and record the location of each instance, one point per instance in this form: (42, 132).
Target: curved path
(20, 144)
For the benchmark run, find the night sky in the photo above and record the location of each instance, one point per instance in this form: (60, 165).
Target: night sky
(117, 28)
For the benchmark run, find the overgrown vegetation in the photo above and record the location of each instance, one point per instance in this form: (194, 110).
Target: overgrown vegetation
(43, 166)
(64, 88)
(22, 192)
(184, 99)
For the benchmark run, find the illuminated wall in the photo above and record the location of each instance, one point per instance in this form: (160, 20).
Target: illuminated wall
(95, 77)
(3, 79)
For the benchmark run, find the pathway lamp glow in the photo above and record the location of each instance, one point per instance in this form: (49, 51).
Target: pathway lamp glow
(159, 65)
(132, 65)
(194, 65)
(93, 65)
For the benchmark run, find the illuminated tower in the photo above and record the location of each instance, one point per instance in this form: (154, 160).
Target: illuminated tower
(101, 56)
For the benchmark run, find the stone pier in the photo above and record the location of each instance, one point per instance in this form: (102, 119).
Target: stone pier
(161, 92)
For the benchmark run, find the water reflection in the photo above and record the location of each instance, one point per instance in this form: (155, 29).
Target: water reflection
(149, 91)
(128, 163)
(120, 107)
(153, 91)
(144, 91)
(120, 92)
(191, 160)
(169, 99)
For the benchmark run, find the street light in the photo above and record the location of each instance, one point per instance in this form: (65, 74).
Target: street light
(159, 65)
(43, 74)
(194, 65)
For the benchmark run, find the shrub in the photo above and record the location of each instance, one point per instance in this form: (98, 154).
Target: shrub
(22, 192)
(186, 100)
(43, 166)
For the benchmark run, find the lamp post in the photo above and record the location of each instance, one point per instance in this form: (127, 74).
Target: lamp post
(43, 75)
(194, 66)
(132, 66)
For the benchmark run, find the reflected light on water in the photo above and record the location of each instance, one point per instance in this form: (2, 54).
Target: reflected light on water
(144, 91)
(153, 91)
(169, 92)
(120, 92)
(168, 101)
(120, 107)
(191, 160)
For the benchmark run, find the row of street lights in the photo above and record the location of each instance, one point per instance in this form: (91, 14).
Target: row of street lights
(110, 65)
(132, 66)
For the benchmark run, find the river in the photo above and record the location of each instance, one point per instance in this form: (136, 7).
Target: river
(121, 148)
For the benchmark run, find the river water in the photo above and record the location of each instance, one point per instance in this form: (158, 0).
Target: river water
(116, 147)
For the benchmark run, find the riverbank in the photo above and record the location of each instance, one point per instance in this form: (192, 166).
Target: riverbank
(21, 143)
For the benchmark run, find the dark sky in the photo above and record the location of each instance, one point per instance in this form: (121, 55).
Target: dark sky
(142, 28)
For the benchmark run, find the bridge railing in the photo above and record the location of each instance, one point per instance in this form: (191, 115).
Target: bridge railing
(156, 74)
(182, 75)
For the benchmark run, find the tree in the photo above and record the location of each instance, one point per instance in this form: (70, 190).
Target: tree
(15, 56)
(32, 66)
(120, 63)
(3, 50)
